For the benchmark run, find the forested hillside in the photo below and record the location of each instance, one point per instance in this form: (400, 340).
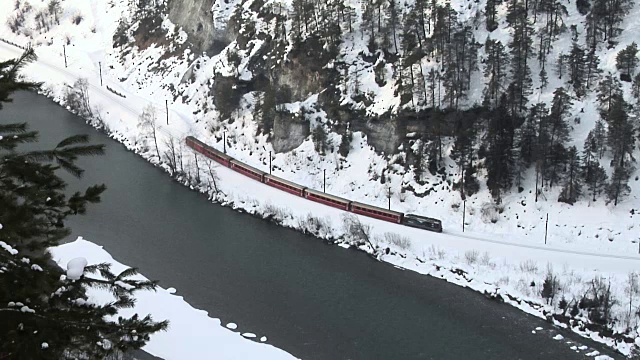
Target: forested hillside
(504, 89)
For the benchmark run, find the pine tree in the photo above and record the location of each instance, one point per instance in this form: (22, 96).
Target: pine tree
(557, 130)
(593, 72)
(593, 173)
(576, 67)
(572, 188)
(495, 71)
(620, 135)
(618, 188)
(609, 88)
(529, 142)
(491, 11)
(500, 161)
(604, 18)
(520, 48)
(627, 60)
(635, 88)
(39, 303)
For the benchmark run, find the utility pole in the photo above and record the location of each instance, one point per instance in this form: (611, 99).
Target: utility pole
(64, 51)
(224, 141)
(546, 227)
(166, 107)
(269, 162)
(100, 67)
(389, 196)
(464, 212)
(324, 181)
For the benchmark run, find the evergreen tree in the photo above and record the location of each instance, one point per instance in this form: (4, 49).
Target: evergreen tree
(576, 67)
(604, 19)
(45, 311)
(635, 88)
(592, 62)
(609, 88)
(600, 137)
(490, 12)
(620, 135)
(627, 60)
(500, 160)
(463, 153)
(618, 188)
(572, 188)
(530, 149)
(520, 48)
(593, 173)
(495, 71)
(557, 130)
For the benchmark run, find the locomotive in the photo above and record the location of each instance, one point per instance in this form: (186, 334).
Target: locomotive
(412, 220)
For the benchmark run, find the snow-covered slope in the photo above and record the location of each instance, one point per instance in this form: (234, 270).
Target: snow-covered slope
(503, 249)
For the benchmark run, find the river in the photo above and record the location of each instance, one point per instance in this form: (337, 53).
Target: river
(312, 299)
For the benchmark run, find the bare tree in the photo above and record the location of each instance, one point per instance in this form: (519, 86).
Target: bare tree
(213, 175)
(77, 98)
(195, 156)
(148, 124)
(356, 230)
(171, 154)
(632, 289)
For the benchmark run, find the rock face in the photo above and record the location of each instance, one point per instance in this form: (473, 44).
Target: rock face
(289, 131)
(194, 16)
(383, 135)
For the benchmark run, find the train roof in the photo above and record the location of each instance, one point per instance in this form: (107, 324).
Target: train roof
(424, 218)
(320, 193)
(234, 161)
(218, 152)
(376, 208)
(284, 181)
(209, 147)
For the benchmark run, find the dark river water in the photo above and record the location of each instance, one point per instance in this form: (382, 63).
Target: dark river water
(314, 300)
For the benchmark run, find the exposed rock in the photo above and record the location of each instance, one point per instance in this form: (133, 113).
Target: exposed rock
(289, 131)
(196, 19)
(382, 134)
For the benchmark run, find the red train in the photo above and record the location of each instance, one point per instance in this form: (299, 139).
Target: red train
(313, 195)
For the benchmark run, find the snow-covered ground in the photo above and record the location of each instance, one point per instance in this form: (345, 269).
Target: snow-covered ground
(505, 257)
(192, 334)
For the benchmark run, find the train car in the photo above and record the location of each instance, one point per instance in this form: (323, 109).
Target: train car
(327, 199)
(247, 170)
(195, 144)
(422, 222)
(208, 151)
(376, 212)
(284, 185)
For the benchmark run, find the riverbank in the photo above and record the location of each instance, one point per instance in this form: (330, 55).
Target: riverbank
(192, 334)
(494, 267)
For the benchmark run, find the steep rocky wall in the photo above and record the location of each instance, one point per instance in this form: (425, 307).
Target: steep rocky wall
(288, 132)
(195, 18)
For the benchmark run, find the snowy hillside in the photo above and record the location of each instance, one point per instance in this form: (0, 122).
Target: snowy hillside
(407, 111)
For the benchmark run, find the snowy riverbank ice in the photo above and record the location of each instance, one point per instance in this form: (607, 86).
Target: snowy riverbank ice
(192, 334)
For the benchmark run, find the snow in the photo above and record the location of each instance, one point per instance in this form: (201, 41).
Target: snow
(75, 268)
(558, 337)
(192, 334)
(8, 248)
(584, 240)
(232, 326)
(36, 267)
